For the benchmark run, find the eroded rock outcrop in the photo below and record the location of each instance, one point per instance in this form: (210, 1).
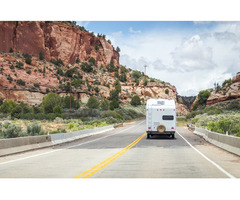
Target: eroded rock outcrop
(56, 41)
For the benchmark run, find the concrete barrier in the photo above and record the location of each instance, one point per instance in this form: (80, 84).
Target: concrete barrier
(67, 137)
(227, 142)
(21, 144)
(15, 145)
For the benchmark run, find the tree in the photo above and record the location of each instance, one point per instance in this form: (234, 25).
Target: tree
(167, 91)
(203, 96)
(93, 102)
(92, 61)
(41, 55)
(135, 101)
(77, 60)
(16, 112)
(57, 109)
(104, 104)
(136, 74)
(50, 101)
(117, 86)
(7, 106)
(114, 104)
(118, 49)
(145, 81)
(28, 60)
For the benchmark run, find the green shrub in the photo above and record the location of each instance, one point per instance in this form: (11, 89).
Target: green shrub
(35, 129)
(203, 96)
(167, 91)
(19, 65)
(12, 131)
(114, 104)
(104, 104)
(70, 72)
(77, 60)
(229, 81)
(135, 101)
(41, 55)
(50, 101)
(70, 125)
(28, 60)
(58, 62)
(93, 102)
(21, 82)
(16, 112)
(91, 61)
(145, 81)
(7, 106)
(136, 74)
(86, 67)
(234, 105)
(36, 85)
(109, 113)
(57, 109)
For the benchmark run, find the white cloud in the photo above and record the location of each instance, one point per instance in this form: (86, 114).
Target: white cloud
(193, 55)
(192, 61)
(133, 31)
(83, 23)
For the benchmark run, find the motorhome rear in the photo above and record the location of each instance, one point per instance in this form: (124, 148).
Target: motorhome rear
(161, 117)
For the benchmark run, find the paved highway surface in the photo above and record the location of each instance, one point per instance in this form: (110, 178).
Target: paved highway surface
(125, 153)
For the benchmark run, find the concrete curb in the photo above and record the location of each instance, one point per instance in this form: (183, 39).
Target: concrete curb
(227, 142)
(21, 144)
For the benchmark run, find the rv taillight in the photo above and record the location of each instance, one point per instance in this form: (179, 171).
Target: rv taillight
(172, 128)
(149, 127)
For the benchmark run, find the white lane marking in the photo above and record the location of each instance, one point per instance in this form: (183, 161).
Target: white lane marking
(20, 159)
(216, 165)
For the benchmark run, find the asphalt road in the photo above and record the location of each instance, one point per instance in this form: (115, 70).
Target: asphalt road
(125, 153)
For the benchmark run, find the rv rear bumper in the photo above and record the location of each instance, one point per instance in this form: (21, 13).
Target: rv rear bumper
(157, 133)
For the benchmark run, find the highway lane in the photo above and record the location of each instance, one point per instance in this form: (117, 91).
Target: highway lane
(125, 153)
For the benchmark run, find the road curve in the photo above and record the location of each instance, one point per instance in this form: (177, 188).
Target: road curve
(125, 153)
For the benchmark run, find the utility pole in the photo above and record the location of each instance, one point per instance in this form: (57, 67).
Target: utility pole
(145, 69)
(70, 93)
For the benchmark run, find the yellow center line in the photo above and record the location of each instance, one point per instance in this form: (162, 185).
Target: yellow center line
(101, 165)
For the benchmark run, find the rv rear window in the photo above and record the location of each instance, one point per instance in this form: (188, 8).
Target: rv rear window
(167, 117)
(160, 102)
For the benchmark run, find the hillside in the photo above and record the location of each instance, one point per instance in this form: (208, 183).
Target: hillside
(230, 90)
(38, 57)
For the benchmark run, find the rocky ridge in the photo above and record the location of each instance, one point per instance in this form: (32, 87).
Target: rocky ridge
(31, 82)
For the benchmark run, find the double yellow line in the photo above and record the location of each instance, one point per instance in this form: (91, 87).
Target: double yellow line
(101, 165)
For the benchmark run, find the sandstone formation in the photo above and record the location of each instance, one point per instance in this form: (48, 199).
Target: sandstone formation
(56, 41)
(228, 92)
(31, 82)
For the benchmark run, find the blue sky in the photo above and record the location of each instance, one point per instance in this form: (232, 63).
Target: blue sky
(108, 27)
(190, 55)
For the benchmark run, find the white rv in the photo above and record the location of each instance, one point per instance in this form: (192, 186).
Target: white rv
(161, 117)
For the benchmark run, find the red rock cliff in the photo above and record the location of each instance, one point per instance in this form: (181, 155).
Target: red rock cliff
(56, 40)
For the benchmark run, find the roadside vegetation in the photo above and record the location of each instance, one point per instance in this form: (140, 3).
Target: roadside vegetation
(221, 117)
(64, 114)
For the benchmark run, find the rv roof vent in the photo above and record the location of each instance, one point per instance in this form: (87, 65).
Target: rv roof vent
(160, 102)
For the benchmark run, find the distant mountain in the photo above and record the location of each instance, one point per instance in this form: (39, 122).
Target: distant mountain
(188, 101)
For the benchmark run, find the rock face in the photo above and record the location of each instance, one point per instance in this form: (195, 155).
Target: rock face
(56, 41)
(31, 82)
(228, 92)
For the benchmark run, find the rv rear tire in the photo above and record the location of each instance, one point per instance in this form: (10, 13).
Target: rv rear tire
(173, 136)
(148, 136)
